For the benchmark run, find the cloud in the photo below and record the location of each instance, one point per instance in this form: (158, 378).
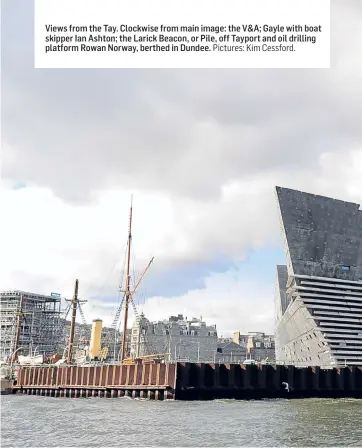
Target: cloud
(48, 242)
(185, 132)
(225, 300)
(200, 149)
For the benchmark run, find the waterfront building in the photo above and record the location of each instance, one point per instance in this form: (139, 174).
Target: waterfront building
(39, 317)
(319, 290)
(181, 339)
(258, 345)
(230, 352)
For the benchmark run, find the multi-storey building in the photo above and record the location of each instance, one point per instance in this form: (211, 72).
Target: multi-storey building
(181, 339)
(319, 291)
(258, 346)
(230, 352)
(261, 347)
(39, 316)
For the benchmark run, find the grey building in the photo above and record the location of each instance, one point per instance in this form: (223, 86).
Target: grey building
(319, 291)
(40, 322)
(229, 352)
(261, 347)
(258, 345)
(179, 338)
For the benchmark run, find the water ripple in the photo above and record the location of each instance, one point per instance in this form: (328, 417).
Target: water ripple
(33, 421)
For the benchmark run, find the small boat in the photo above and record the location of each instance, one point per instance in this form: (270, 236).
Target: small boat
(249, 362)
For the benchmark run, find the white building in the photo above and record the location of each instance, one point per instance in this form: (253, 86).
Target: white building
(179, 338)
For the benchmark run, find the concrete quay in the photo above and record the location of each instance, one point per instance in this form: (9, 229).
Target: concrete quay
(188, 381)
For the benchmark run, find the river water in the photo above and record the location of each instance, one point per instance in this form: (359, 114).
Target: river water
(34, 421)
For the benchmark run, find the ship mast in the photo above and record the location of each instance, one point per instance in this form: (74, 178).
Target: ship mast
(74, 303)
(127, 291)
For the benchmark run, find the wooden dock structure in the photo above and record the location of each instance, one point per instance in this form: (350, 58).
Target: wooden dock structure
(188, 381)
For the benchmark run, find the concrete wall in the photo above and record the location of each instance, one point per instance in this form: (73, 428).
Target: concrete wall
(319, 304)
(281, 298)
(322, 235)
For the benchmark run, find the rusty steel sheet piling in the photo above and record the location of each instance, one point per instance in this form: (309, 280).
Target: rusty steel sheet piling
(189, 381)
(156, 381)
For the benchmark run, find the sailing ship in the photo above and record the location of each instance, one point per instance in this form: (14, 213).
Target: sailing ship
(127, 300)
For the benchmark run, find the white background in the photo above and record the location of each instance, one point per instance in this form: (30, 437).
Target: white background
(184, 13)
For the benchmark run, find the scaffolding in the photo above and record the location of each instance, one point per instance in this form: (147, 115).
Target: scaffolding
(40, 327)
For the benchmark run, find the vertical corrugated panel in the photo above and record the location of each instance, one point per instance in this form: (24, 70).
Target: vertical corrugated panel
(68, 377)
(127, 374)
(92, 376)
(110, 374)
(36, 376)
(124, 371)
(172, 375)
(161, 374)
(238, 375)
(139, 374)
(97, 376)
(31, 376)
(20, 377)
(132, 368)
(153, 374)
(135, 374)
(42, 373)
(145, 374)
(117, 375)
(103, 376)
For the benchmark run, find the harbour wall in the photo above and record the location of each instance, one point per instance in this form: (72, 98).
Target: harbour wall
(188, 381)
(152, 381)
(212, 381)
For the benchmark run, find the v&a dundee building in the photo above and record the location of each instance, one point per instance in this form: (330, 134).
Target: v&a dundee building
(319, 291)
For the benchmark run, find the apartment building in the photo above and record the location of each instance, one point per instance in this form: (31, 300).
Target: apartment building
(177, 338)
(258, 346)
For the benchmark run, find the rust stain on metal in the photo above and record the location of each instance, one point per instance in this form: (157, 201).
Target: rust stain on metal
(112, 379)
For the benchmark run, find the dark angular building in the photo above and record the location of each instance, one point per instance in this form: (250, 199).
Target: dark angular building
(319, 291)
